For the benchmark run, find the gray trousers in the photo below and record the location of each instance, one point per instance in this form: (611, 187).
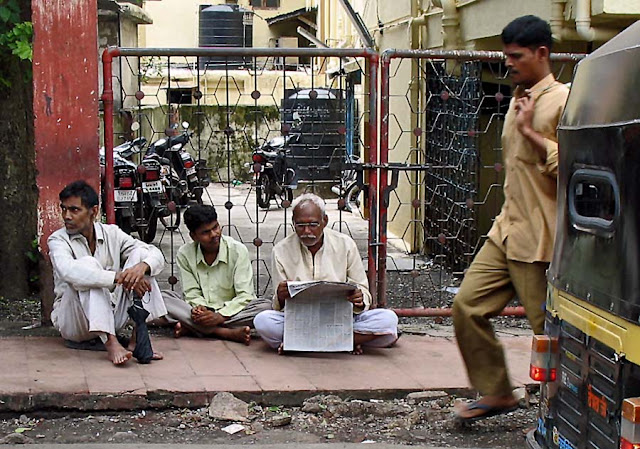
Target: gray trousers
(180, 310)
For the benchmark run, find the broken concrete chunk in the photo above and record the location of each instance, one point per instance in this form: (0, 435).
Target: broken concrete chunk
(227, 407)
(422, 396)
(280, 420)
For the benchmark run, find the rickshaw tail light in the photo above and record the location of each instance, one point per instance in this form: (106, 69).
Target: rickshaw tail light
(630, 424)
(544, 350)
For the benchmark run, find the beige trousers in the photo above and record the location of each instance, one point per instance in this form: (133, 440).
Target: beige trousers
(491, 282)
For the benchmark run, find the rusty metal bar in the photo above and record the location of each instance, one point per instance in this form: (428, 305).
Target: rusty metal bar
(446, 312)
(249, 52)
(467, 55)
(384, 173)
(107, 101)
(373, 179)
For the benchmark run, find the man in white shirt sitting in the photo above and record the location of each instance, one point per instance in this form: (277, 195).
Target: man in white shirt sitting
(317, 253)
(97, 269)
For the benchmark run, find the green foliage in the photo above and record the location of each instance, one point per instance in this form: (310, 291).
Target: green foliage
(18, 40)
(16, 36)
(34, 255)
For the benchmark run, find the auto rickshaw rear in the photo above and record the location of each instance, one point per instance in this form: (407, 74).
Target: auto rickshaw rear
(589, 357)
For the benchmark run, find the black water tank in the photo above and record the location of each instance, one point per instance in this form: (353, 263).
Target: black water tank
(318, 116)
(225, 26)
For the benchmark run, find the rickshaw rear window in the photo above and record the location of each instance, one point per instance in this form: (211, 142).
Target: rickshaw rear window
(594, 200)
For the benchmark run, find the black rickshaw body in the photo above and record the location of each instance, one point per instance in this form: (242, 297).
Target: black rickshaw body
(593, 300)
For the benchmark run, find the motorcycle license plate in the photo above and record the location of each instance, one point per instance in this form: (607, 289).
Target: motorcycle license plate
(191, 171)
(152, 187)
(120, 196)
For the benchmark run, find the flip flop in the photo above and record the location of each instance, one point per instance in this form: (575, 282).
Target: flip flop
(94, 344)
(489, 411)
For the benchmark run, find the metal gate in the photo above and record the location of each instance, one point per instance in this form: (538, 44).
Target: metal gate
(444, 187)
(233, 108)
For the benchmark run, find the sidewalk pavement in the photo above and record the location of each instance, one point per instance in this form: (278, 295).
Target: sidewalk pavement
(40, 372)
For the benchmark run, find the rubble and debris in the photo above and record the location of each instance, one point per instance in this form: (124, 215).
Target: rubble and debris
(227, 407)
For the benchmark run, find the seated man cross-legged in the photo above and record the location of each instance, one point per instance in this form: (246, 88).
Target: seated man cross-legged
(316, 253)
(97, 270)
(217, 283)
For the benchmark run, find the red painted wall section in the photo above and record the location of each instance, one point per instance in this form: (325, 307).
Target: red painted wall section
(65, 104)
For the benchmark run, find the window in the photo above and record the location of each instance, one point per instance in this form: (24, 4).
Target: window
(180, 96)
(265, 3)
(594, 200)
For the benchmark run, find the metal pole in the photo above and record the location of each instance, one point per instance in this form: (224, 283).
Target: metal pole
(445, 312)
(384, 159)
(373, 177)
(107, 101)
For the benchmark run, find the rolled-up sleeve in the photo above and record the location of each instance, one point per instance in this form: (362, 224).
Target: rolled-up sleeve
(550, 166)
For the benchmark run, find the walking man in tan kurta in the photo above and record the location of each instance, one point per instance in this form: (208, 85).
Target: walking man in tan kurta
(514, 259)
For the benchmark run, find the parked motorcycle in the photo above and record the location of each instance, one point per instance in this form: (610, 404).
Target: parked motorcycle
(133, 210)
(184, 174)
(273, 176)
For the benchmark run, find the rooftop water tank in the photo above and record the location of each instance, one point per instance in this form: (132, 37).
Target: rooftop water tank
(225, 26)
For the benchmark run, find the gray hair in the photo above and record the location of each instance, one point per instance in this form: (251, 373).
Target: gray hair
(309, 198)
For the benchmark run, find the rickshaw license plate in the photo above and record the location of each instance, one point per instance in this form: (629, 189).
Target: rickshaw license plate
(152, 187)
(120, 196)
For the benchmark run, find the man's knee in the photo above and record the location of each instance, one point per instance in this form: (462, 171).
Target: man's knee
(389, 318)
(266, 321)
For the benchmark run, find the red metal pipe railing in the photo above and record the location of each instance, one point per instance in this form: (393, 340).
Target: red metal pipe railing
(373, 268)
(445, 312)
(107, 101)
(384, 174)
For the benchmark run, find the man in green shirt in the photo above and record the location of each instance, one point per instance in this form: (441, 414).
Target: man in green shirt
(217, 283)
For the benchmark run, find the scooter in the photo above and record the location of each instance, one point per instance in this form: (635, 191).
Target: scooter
(273, 176)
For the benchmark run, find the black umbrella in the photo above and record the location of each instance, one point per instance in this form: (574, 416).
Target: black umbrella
(143, 350)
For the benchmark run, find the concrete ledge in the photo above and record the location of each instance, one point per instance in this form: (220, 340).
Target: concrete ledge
(41, 373)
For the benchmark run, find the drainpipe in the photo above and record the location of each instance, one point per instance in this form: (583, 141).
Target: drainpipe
(557, 19)
(450, 23)
(583, 24)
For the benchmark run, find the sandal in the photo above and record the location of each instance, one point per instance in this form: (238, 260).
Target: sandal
(489, 410)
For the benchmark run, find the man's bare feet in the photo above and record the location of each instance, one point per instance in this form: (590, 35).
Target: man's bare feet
(281, 349)
(240, 334)
(180, 331)
(357, 350)
(116, 352)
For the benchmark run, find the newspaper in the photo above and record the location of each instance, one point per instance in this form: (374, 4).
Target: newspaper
(318, 318)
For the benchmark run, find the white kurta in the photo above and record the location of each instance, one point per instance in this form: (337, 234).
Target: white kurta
(88, 302)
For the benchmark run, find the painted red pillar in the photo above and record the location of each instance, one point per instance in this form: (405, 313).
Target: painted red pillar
(65, 106)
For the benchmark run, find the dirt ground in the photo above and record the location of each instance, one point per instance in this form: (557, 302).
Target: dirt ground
(320, 419)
